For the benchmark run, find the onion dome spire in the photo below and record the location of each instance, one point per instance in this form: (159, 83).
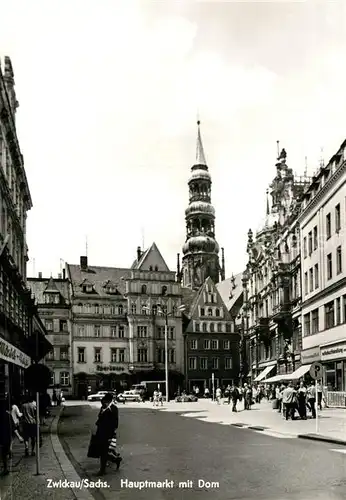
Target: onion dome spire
(200, 157)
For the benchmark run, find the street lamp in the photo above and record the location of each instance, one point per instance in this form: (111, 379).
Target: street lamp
(166, 314)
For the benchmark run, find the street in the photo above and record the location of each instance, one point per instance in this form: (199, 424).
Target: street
(241, 464)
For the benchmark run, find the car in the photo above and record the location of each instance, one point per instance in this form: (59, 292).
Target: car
(98, 396)
(186, 399)
(120, 398)
(131, 396)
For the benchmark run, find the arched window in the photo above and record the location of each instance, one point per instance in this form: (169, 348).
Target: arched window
(210, 312)
(204, 327)
(87, 308)
(164, 290)
(156, 268)
(120, 310)
(144, 289)
(97, 309)
(217, 312)
(150, 268)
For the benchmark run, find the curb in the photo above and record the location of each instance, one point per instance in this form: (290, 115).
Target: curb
(67, 468)
(319, 437)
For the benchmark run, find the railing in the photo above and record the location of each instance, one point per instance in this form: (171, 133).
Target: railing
(336, 399)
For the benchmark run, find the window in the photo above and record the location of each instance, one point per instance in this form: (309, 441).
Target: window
(337, 218)
(328, 226)
(144, 309)
(163, 310)
(226, 344)
(311, 278)
(81, 354)
(144, 289)
(215, 363)
(338, 260)
(113, 331)
(210, 312)
(156, 268)
(80, 307)
(204, 327)
(50, 355)
(80, 331)
(113, 355)
(64, 379)
(315, 238)
(310, 242)
(52, 378)
(97, 309)
(120, 310)
(63, 353)
(142, 355)
(121, 355)
(306, 284)
(171, 356)
(329, 266)
(305, 247)
(338, 310)
(97, 331)
(202, 311)
(121, 331)
(228, 328)
(344, 302)
(228, 363)
(193, 344)
(197, 327)
(113, 310)
(150, 268)
(219, 327)
(316, 277)
(164, 290)
(206, 344)
(154, 310)
(329, 315)
(170, 332)
(307, 330)
(192, 363)
(63, 325)
(142, 331)
(314, 321)
(203, 363)
(212, 326)
(217, 312)
(49, 325)
(133, 308)
(97, 354)
(174, 310)
(214, 344)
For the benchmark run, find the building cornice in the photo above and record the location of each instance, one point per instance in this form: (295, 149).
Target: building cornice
(324, 190)
(323, 293)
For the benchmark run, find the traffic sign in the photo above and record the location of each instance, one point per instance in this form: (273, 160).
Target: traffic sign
(316, 371)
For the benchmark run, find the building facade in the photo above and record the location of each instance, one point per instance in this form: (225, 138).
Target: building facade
(272, 304)
(17, 307)
(54, 308)
(118, 323)
(323, 256)
(201, 250)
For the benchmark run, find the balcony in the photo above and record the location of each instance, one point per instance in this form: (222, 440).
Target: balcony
(281, 311)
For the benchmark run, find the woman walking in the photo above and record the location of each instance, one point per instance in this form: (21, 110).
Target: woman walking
(107, 425)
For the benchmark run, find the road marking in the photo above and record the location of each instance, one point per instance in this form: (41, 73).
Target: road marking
(338, 450)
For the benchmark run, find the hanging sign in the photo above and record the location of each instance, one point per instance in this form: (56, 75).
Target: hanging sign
(13, 355)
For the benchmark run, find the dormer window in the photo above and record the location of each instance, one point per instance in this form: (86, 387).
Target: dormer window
(210, 312)
(150, 268)
(87, 288)
(156, 268)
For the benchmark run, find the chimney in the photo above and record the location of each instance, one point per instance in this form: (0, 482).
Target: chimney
(59, 276)
(40, 276)
(139, 253)
(84, 263)
(63, 274)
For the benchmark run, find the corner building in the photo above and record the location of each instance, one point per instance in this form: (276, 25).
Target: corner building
(323, 256)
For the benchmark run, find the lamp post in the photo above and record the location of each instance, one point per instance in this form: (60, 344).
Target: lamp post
(164, 313)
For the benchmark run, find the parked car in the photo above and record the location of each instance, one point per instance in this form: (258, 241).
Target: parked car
(120, 398)
(186, 399)
(131, 396)
(98, 396)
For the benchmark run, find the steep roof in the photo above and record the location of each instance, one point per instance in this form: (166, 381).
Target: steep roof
(98, 277)
(150, 258)
(229, 294)
(39, 286)
(51, 287)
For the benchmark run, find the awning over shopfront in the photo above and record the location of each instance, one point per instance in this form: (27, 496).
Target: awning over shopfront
(263, 374)
(296, 375)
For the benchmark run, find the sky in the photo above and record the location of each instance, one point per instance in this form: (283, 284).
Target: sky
(109, 95)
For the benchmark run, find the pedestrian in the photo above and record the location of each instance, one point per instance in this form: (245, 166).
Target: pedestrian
(311, 398)
(301, 397)
(218, 395)
(319, 394)
(16, 415)
(29, 425)
(156, 398)
(289, 401)
(55, 398)
(206, 393)
(5, 435)
(107, 425)
(160, 398)
(248, 397)
(228, 394)
(234, 394)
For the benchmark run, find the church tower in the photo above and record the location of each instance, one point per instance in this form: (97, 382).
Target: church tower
(201, 251)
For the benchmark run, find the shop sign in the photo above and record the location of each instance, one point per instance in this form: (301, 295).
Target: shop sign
(335, 351)
(13, 355)
(310, 355)
(101, 368)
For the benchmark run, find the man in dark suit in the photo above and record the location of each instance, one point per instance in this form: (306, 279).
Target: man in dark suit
(107, 425)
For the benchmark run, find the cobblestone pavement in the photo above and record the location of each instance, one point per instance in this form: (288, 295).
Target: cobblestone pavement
(159, 445)
(23, 484)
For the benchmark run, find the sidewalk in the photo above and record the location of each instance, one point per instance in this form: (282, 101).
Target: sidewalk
(331, 421)
(22, 483)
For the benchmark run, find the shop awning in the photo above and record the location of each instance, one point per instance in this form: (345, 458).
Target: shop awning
(263, 374)
(300, 372)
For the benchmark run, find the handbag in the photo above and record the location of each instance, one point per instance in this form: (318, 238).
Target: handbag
(94, 447)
